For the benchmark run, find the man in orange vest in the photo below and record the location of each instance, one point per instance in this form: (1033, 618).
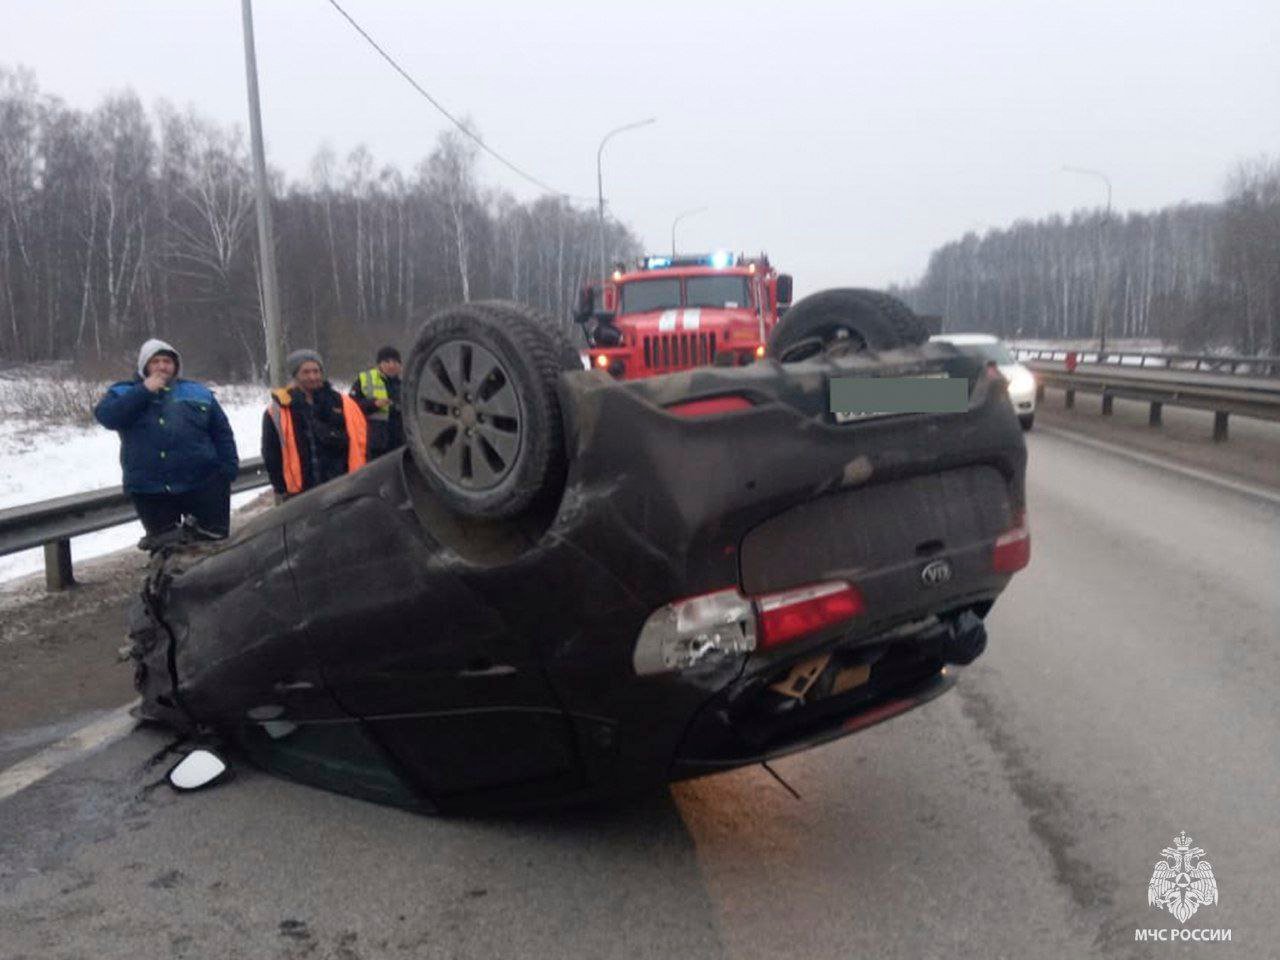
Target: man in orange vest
(310, 432)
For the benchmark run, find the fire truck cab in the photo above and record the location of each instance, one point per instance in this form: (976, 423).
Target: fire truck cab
(671, 313)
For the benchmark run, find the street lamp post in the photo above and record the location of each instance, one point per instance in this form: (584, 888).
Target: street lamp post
(1106, 219)
(600, 180)
(679, 217)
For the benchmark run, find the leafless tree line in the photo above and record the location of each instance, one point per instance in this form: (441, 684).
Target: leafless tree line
(1196, 275)
(118, 224)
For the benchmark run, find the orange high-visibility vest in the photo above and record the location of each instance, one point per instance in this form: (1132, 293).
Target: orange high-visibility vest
(281, 413)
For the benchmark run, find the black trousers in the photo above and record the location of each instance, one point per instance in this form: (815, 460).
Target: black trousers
(210, 505)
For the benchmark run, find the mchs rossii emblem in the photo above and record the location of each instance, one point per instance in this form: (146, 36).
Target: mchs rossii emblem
(1182, 882)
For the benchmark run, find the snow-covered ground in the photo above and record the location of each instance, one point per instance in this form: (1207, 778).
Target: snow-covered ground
(39, 460)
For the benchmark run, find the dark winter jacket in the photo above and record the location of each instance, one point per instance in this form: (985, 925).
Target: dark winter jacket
(320, 434)
(171, 441)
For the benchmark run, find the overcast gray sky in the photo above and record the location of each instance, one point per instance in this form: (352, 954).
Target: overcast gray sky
(846, 139)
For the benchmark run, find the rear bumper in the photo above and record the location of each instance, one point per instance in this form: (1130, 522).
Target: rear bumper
(751, 721)
(886, 708)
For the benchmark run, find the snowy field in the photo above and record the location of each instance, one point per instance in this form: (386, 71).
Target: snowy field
(40, 460)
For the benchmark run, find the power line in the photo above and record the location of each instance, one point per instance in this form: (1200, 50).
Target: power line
(439, 106)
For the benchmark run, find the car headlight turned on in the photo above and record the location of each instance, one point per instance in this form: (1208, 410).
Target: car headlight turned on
(1022, 382)
(689, 632)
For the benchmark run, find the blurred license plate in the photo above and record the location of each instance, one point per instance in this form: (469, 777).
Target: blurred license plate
(849, 416)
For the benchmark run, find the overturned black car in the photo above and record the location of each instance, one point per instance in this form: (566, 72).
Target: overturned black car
(570, 587)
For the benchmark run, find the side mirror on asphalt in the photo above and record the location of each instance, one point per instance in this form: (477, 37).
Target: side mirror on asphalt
(197, 770)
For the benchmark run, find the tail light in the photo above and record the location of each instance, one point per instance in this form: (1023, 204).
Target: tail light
(683, 634)
(1013, 547)
(797, 613)
(701, 629)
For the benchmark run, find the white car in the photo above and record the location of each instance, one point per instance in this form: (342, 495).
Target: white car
(1022, 383)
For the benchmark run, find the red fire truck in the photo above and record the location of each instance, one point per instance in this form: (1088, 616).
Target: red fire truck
(671, 313)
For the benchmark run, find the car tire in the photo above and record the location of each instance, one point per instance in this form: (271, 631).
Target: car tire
(1026, 419)
(482, 417)
(570, 353)
(845, 319)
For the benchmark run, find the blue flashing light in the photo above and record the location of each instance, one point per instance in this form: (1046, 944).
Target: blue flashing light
(656, 263)
(721, 259)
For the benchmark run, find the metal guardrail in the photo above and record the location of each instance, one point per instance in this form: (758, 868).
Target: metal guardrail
(1157, 360)
(52, 523)
(1222, 395)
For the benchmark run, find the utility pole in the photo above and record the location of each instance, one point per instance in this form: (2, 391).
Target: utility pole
(266, 243)
(600, 183)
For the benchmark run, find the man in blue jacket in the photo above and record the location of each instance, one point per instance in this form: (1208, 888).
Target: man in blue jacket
(176, 446)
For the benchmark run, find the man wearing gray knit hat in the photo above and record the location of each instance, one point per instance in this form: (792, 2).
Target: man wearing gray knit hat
(299, 357)
(310, 432)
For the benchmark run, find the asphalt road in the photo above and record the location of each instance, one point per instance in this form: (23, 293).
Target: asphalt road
(1128, 694)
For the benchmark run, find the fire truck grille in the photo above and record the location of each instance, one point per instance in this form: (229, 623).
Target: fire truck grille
(676, 351)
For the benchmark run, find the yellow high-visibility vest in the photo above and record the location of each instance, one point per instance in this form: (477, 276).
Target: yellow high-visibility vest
(374, 387)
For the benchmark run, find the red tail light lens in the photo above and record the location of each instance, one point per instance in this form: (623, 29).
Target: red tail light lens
(1013, 547)
(792, 614)
(710, 406)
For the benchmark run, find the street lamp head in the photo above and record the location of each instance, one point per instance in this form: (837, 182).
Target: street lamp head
(679, 217)
(622, 129)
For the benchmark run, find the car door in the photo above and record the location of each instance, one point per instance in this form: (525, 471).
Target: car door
(458, 698)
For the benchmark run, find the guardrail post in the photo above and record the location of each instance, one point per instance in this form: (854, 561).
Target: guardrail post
(1071, 398)
(1156, 416)
(1219, 426)
(1107, 400)
(57, 565)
